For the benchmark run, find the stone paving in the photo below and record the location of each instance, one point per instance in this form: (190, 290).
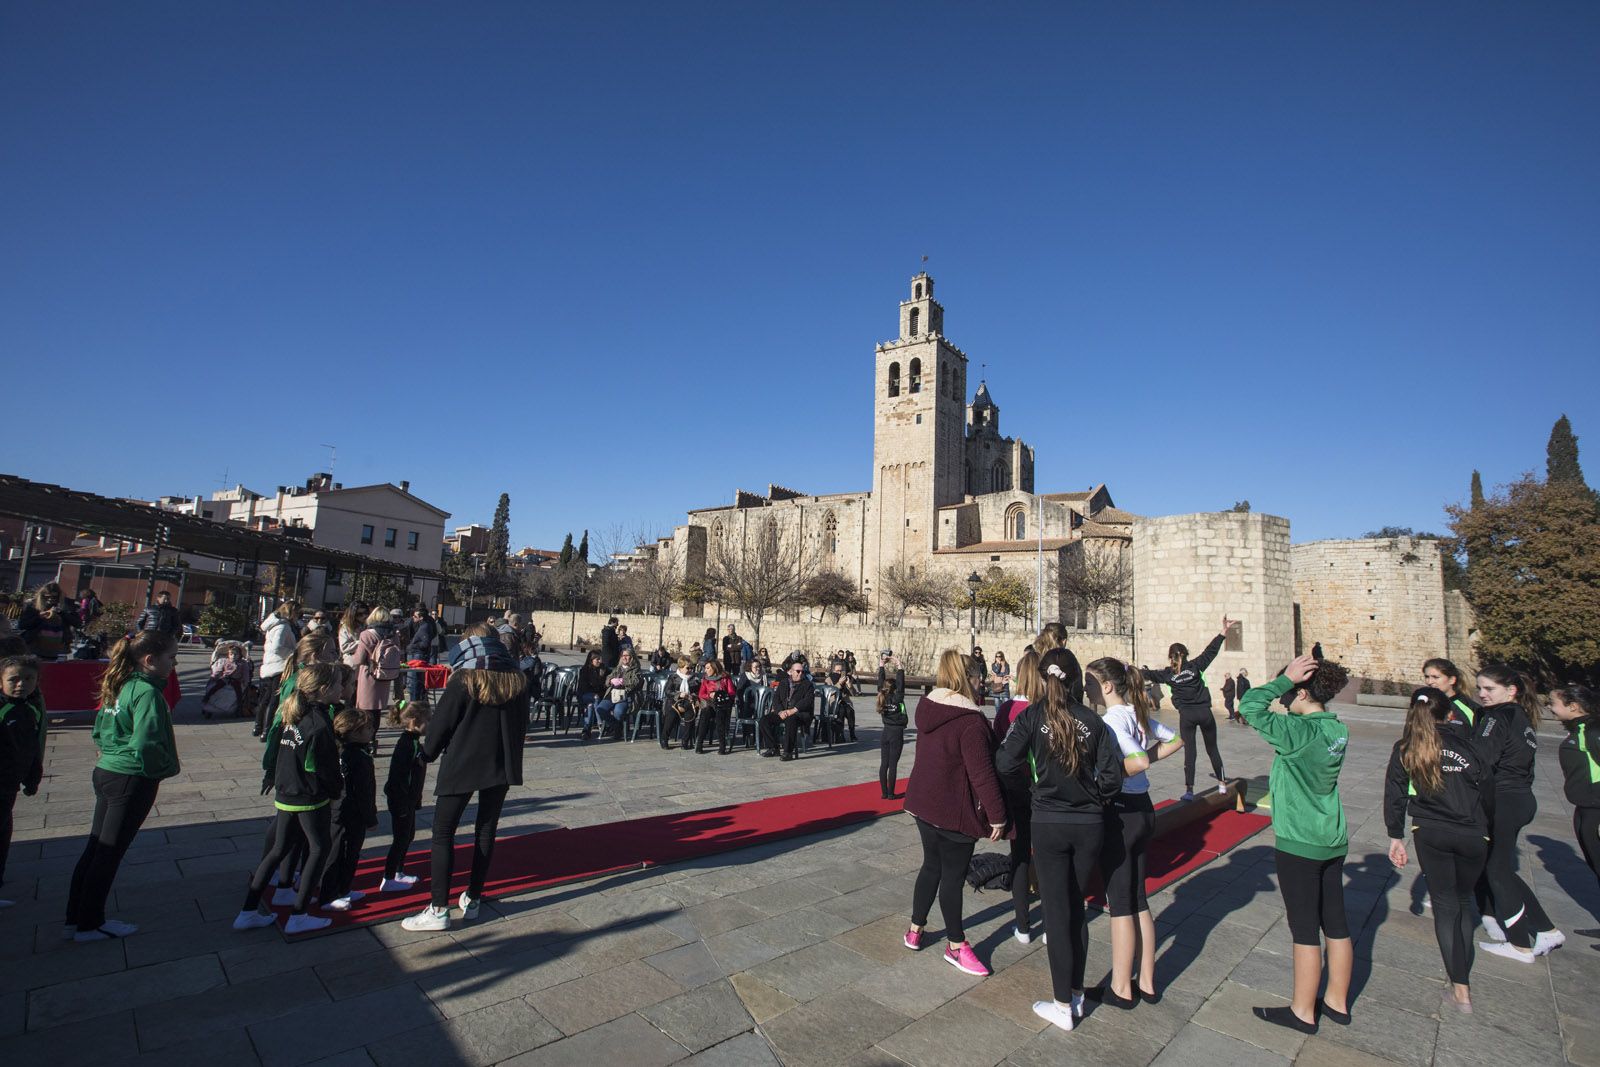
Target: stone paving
(786, 953)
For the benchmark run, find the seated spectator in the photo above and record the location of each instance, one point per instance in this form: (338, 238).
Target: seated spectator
(716, 708)
(793, 710)
(840, 677)
(590, 687)
(623, 683)
(678, 709)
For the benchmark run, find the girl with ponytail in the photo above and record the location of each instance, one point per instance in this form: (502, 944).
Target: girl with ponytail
(1578, 708)
(1507, 725)
(1117, 692)
(1439, 776)
(1446, 677)
(1075, 770)
(1192, 698)
(133, 731)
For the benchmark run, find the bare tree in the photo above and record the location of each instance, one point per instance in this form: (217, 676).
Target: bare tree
(760, 573)
(1097, 575)
(830, 591)
(934, 592)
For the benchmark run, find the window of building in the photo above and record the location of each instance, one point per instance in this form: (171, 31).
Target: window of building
(830, 534)
(411, 540)
(390, 536)
(366, 535)
(916, 321)
(915, 377)
(1019, 526)
(916, 291)
(894, 379)
(1234, 641)
(919, 419)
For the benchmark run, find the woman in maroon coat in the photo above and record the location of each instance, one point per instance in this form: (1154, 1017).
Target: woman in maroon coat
(955, 797)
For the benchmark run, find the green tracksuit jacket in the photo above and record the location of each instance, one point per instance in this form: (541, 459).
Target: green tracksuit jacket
(1307, 818)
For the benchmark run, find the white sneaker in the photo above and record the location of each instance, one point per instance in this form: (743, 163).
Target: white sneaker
(304, 924)
(1053, 1013)
(1077, 1005)
(429, 918)
(1023, 937)
(284, 897)
(399, 883)
(1187, 796)
(342, 904)
(68, 932)
(8, 903)
(253, 920)
(1491, 926)
(468, 905)
(1506, 949)
(1222, 787)
(1548, 941)
(118, 928)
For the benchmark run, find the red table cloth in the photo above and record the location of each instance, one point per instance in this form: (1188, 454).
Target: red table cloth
(74, 684)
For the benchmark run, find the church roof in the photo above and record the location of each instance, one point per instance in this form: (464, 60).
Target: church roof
(1090, 528)
(1050, 543)
(1115, 515)
(1086, 495)
(982, 399)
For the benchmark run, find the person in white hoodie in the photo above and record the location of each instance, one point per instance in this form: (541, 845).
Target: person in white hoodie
(279, 634)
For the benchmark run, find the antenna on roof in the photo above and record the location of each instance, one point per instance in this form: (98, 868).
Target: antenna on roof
(333, 457)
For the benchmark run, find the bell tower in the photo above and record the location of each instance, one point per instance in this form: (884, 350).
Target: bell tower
(919, 430)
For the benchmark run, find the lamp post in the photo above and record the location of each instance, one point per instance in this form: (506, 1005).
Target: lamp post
(973, 582)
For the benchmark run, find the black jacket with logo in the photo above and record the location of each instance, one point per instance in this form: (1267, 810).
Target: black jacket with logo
(407, 775)
(1460, 805)
(306, 774)
(358, 805)
(1580, 762)
(1058, 796)
(1510, 744)
(1189, 693)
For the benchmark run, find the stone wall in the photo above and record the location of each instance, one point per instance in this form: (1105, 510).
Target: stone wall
(1190, 570)
(1375, 604)
(918, 645)
(1460, 630)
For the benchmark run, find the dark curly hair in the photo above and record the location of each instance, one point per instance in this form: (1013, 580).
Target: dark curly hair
(1328, 681)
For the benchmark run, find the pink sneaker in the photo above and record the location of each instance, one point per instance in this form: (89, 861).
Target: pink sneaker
(962, 958)
(914, 939)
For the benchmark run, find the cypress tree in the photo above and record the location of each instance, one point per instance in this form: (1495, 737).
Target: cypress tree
(566, 550)
(1561, 455)
(583, 548)
(1477, 491)
(494, 562)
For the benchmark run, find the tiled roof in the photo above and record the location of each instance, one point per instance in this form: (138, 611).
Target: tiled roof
(1011, 546)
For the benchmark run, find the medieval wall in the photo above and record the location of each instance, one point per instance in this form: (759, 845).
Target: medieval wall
(1375, 604)
(1190, 570)
(1460, 630)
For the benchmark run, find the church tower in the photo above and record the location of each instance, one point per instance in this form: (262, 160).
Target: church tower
(919, 430)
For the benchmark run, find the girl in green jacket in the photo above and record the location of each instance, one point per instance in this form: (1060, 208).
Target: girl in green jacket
(133, 731)
(1308, 822)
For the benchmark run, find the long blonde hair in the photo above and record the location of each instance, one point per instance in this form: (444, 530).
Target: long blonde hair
(954, 674)
(1129, 684)
(1420, 751)
(1025, 680)
(312, 678)
(1054, 635)
(1063, 687)
(490, 687)
(126, 656)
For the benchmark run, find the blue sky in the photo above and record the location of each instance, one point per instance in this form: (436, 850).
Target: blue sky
(618, 260)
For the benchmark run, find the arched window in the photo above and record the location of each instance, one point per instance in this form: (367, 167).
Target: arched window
(894, 379)
(1017, 522)
(997, 477)
(830, 535)
(916, 291)
(914, 377)
(916, 319)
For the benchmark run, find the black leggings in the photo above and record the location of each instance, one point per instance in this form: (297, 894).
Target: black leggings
(1513, 902)
(1451, 861)
(1130, 823)
(712, 720)
(1208, 732)
(945, 856)
(1313, 897)
(890, 745)
(447, 812)
(8, 801)
(267, 701)
(1019, 803)
(344, 855)
(1586, 825)
(404, 825)
(122, 801)
(1066, 853)
(313, 826)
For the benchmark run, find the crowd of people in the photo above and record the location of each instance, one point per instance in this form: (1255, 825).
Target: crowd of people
(1060, 772)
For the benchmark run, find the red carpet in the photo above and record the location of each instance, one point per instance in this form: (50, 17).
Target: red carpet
(552, 857)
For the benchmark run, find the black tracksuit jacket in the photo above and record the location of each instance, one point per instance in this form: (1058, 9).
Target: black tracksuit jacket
(306, 774)
(1189, 693)
(1510, 744)
(1460, 805)
(1580, 762)
(1057, 796)
(358, 805)
(484, 741)
(407, 775)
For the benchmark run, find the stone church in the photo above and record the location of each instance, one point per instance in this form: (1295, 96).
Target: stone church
(949, 491)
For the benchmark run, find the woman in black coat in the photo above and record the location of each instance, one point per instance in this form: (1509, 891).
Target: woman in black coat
(478, 728)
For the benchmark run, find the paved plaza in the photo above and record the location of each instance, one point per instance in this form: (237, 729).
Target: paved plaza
(785, 953)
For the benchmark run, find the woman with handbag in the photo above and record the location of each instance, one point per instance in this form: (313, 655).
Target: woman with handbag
(716, 707)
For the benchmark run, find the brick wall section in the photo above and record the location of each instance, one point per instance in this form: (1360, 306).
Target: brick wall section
(918, 645)
(1460, 630)
(1376, 604)
(1190, 570)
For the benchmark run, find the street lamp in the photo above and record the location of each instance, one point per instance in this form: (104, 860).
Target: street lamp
(973, 582)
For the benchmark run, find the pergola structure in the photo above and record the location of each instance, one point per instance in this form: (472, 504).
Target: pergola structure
(171, 531)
